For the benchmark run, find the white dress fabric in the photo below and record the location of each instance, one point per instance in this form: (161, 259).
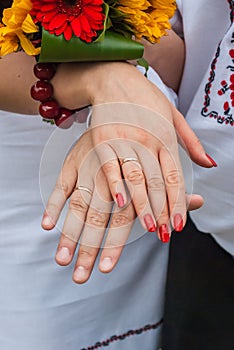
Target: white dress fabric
(41, 307)
(206, 97)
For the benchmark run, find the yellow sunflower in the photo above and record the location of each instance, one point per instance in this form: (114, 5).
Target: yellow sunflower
(133, 4)
(18, 24)
(167, 7)
(149, 19)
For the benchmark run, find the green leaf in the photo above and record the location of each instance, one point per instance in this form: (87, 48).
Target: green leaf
(114, 47)
(143, 63)
(102, 35)
(49, 121)
(111, 2)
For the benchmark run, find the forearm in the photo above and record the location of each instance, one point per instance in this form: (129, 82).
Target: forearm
(77, 84)
(16, 71)
(167, 58)
(71, 82)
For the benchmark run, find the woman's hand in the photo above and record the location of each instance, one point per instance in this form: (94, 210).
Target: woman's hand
(136, 138)
(90, 207)
(133, 120)
(89, 212)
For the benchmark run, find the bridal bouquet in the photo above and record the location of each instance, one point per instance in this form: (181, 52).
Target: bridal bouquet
(83, 30)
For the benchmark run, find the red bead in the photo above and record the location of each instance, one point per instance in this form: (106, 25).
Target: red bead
(41, 91)
(65, 119)
(80, 116)
(49, 109)
(44, 71)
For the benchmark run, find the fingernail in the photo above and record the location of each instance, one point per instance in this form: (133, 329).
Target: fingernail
(106, 264)
(178, 223)
(164, 234)
(149, 223)
(63, 254)
(46, 220)
(120, 200)
(80, 273)
(212, 160)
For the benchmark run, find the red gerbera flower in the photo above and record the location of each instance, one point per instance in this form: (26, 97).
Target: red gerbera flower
(79, 17)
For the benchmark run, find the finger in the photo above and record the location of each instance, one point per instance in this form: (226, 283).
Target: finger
(91, 241)
(73, 225)
(62, 191)
(65, 251)
(194, 201)
(93, 232)
(120, 227)
(156, 192)
(112, 171)
(190, 142)
(135, 180)
(175, 188)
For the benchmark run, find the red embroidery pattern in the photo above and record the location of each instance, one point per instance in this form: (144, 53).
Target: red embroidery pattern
(226, 88)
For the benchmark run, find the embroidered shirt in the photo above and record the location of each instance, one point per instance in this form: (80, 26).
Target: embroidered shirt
(206, 97)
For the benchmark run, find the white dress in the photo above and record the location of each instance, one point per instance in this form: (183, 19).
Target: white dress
(41, 307)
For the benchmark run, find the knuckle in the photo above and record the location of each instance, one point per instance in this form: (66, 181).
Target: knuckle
(62, 186)
(163, 217)
(86, 254)
(136, 177)
(140, 207)
(113, 184)
(109, 167)
(73, 237)
(51, 207)
(177, 204)
(197, 142)
(173, 178)
(97, 219)
(155, 183)
(114, 243)
(120, 220)
(144, 136)
(78, 204)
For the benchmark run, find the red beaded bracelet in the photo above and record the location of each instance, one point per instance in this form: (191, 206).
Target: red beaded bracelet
(49, 108)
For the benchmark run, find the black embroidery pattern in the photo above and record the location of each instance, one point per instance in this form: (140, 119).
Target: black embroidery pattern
(226, 87)
(123, 336)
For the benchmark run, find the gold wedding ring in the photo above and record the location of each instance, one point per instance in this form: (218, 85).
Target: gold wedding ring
(83, 188)
(130, 159)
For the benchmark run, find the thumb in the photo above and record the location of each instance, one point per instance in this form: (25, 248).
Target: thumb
(190, 142)
(194, 201)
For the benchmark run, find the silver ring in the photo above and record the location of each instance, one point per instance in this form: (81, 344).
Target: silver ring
(83, 188)
(130, 159)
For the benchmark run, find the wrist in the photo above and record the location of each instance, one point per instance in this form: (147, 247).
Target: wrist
(78, 85)
(72, 85)
(114, 82)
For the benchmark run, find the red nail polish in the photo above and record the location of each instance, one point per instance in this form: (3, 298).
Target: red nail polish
(178, 223)
(149, 223)
(164, 234)
(212, 160)
(120, 200)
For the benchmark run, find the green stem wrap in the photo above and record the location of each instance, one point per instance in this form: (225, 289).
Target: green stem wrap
(113, 47)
